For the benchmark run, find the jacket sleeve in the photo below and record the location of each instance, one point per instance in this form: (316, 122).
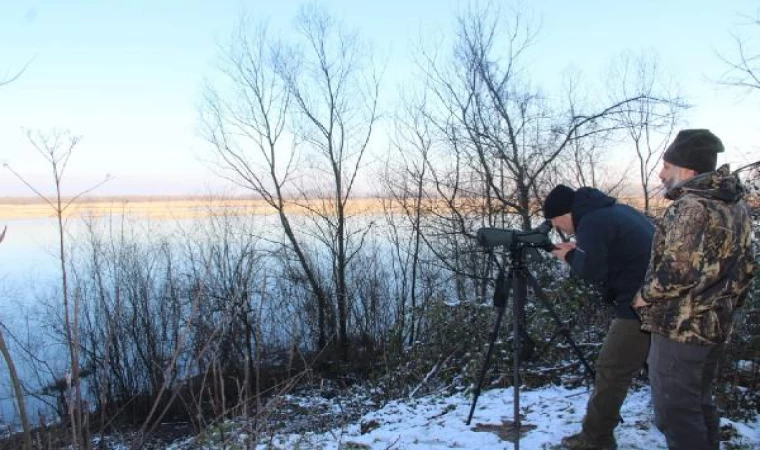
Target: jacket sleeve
(589, 259)
(677, 255)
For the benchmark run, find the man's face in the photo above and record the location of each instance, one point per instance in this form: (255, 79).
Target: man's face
(671, 175)
(564, 223)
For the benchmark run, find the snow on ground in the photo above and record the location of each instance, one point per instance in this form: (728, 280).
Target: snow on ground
(437, 422)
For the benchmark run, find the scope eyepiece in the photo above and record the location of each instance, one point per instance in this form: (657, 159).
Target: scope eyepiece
(545, 227)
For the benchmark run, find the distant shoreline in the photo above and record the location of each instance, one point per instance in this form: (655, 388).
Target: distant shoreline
(167, 207)
(162, 207)
(179, 207)
(34, 200)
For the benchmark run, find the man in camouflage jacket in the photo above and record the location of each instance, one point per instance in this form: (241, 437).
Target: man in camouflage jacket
(699, 273)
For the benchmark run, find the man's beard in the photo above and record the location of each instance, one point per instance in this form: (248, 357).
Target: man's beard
(673, 182)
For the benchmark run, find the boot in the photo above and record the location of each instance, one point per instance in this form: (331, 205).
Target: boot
(581, 441)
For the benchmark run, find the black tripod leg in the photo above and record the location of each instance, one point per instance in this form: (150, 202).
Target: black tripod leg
(563, 329)
(487, 361)
(501, 293)
(520, 289)
(560, 325)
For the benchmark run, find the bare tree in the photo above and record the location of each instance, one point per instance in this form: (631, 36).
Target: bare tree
(586, 160)
(653, 118)
(336, 92)
(508, 133)
(16, 382)
(56, 147)
(245, 121)
(743, 67)
(405, 181)
(7, 79)
(296, 125)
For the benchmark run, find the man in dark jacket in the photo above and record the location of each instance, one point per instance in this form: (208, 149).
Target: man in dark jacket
(700, 272)
(611, 250)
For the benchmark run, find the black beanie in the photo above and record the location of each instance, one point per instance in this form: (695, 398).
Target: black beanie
(559, 201)
(694, 149)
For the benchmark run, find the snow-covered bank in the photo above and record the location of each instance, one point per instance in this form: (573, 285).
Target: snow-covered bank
(438, 422)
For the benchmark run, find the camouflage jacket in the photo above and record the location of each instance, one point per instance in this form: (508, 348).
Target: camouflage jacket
(702, 261)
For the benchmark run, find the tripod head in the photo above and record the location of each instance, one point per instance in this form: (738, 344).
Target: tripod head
(538, 237)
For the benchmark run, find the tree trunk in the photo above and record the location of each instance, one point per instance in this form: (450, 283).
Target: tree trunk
(18, 392)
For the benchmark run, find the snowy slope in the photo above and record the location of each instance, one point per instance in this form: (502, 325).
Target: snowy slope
(437, 422)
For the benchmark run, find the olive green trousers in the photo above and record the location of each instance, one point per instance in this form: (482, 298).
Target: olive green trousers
(623, 354)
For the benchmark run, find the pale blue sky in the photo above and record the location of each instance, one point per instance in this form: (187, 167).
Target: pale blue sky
(128, 76)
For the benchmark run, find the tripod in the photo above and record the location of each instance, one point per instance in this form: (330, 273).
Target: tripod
(517, 280)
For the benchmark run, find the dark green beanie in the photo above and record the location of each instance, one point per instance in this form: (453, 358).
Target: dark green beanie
(694, 149)
(559, 201)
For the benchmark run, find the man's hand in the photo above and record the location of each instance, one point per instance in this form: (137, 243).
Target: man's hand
(639, 302)
(561, 249)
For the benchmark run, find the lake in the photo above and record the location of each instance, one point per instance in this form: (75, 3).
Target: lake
(30, 276)
(28, 266)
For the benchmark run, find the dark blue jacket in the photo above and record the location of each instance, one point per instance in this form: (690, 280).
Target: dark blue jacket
(613, 244)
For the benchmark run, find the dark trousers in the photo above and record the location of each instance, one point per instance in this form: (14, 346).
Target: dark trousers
(623, 353)
(681, 376)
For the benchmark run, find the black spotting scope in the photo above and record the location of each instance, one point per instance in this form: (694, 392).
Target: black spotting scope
(537, 237)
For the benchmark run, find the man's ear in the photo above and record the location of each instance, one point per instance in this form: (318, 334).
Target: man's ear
(688, 173)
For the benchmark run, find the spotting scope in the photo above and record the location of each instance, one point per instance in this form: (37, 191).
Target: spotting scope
(537, 237)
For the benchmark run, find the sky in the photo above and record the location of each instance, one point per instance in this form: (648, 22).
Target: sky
(128, 77)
